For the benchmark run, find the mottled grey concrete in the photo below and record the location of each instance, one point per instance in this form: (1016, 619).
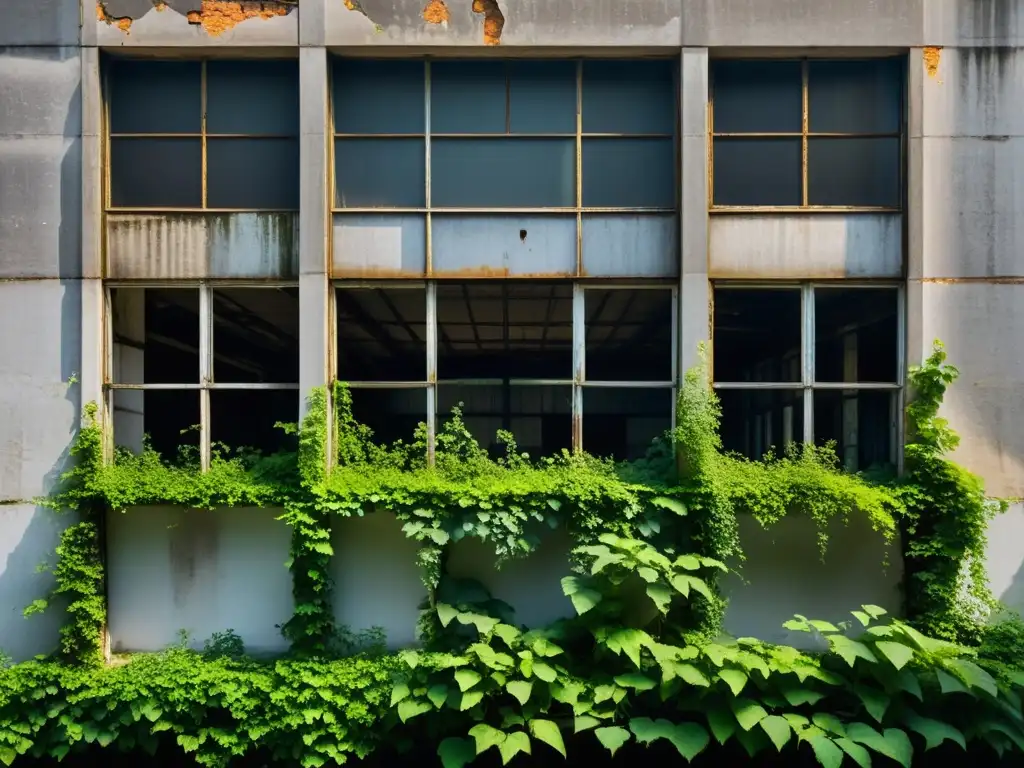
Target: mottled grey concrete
(40, 22)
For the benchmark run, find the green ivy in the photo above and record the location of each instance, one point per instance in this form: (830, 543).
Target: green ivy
(946, 518)
(642, 662)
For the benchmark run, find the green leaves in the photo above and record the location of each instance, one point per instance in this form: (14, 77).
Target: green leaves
(467, 678)
(748, 713)
(485, 737)
(456, 753)
(612, 738)
(549, 733)
(899, 655)
(777, 729)
(689, 739)
(410, 708)
(583, 599)
(521, 690)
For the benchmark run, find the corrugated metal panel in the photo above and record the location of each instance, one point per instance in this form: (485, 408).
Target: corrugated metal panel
(379, 245)
(858, 245)
(200, 245)
(504, 246)
(617, 245)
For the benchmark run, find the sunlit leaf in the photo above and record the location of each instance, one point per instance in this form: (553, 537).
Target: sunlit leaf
(748, 713)
(736, 680)
(612, 738)
(549, 733)
(467, 678)
(827, 753)
(778, 730)
(513, 744)
(635, 680)
(521, 689)
(856, 752)
(898, 654)
(410, 708)
(485, 737)
(933, 731)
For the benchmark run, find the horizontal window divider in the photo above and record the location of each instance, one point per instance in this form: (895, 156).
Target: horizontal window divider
(564, 210)
(153, 209)
(627, 135)
(380, 135)
(253, 385)
(795, 386)
(503, 135)
(385, 384)
(601, 284)
(252, 135)
(628, 384)
(190, 135)
(726, 209)
(374, 210)
(165, 387)
(809, 134)
(195, 283)
(501, 382)
(400, 284)
(554, 135)
(867, 385)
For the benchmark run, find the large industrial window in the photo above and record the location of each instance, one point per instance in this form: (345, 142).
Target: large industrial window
(807, 134)
(203, 135)
(811, 363)
(559, 365)
(469, 169)
(195, 369)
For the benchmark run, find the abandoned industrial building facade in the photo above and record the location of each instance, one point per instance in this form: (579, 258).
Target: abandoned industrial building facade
(535, 213)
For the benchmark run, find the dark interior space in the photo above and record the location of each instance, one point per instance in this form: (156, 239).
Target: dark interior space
(860, 423)
(756, 335)
(171, 420)
(382, 334)
(392, 414)
(256, 335)
(755, 422)
(857, 326)
(245, 418)
(621, 423)
(629, 335)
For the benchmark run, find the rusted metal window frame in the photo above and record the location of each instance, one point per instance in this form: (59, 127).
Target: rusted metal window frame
(428, 209)
(203, 137)
(805, 135)
(578, 381)
(808, 383)
(205, 380)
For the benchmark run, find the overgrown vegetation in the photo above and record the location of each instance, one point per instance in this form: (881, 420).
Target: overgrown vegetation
(643, 661)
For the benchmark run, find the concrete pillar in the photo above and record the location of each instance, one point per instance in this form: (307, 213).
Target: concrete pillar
(694, 292)
(313, 222)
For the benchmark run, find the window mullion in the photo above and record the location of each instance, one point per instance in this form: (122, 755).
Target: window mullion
(804, 129)
(205, 370)
(431, 369)
(807, 355)
(202, 122)
(579, 330)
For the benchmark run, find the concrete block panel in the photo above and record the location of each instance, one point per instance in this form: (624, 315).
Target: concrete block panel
(532, 585)
(972, 207)
(40, 206)
(573, 23)
(379, 245)
(1005, 558)
(40, 91)
(28, 536)
(193, 23)
(972, 92)
(803, 23)
(40, 22)
(818, 246)
(617, 245)
(503, 246)
(974, 22)
(171, 569)
(39, 410)
(173, 246)
(980, 322)
(784, 575)
(376, 579)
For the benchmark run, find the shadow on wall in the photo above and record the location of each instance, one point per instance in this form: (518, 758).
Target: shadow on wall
(1005, 560)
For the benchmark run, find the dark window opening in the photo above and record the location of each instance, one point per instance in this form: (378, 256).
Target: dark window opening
(391, 414)
(623, 423)
(156, 335)
(860, 424)
(539, 417)
(629, 335)
(506, 330)
(245, 419)
(256, 335)
(757, 96)
(856, 335)
(382, 334)
(756, 422)
(171, 423)
(757, 335)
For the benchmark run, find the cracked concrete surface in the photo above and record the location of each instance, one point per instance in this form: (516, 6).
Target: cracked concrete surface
(214, 16)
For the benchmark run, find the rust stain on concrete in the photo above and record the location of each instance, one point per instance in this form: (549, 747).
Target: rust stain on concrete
(436, 12)
(124, 23)
(932, 54)
(494, 20)
(218, 16)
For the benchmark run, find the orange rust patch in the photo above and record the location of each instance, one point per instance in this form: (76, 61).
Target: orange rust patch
(932, 54)
(436, 12)
(218, 16)
(161, 7)
(124, 23)
(494, 20)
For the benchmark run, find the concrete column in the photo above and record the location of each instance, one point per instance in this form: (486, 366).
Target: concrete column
(314, 221)
(694, 315)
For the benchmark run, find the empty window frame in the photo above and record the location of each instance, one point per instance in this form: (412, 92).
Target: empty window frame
(807, 134)
(203, 135)
(812, 363)
(195, 367)
(572, 143)
(558, 364)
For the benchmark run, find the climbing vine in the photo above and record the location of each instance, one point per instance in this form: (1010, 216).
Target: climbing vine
(641, 663)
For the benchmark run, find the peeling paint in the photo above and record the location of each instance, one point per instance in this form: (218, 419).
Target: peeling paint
(931, 55)
(494, 20)
(436, 12)
(218, 16)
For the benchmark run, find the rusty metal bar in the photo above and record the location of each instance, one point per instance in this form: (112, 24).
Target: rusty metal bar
(200, 135)
(769, 209)
(805, 68)
(809, 133)
(565, 210)
(155, 210)
(202, 101)
(226, 282)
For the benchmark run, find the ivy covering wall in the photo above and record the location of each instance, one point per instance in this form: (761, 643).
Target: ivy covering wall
(642, 664)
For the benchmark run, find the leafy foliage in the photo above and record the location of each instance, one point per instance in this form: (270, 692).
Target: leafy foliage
(642, 663)
(947, 515)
